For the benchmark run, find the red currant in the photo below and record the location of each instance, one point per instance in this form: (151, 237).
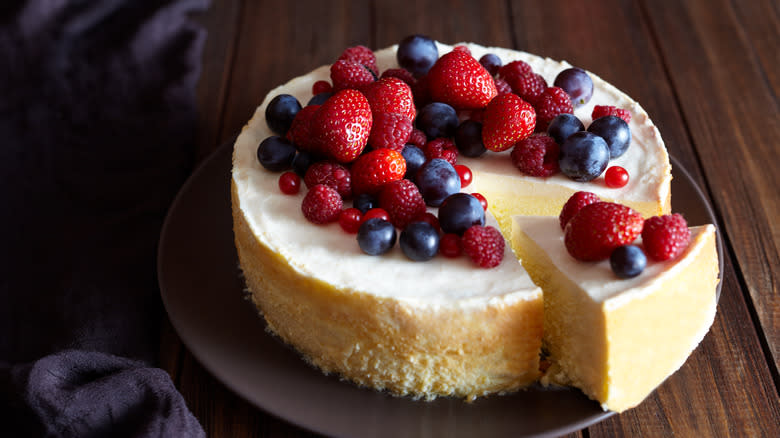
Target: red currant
(430, 218)
(481, 200)
(449, 245)
(321, 87)
(350, 220)
(465, 175)
(376, 212)
(616, 177)
(290, 183)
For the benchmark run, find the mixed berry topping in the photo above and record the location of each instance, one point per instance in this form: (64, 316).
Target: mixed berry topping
(390, 141)
(595, 230)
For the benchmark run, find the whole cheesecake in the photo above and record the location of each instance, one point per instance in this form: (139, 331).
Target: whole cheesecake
(443, 327)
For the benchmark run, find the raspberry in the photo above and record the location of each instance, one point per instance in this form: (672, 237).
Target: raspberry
(449, 246)
(529, 87)
(400, 73)
(609, 110)
(552, 102)
(322, 204)
(417, 138)
(402, 201)
(536, 155)
(300, 130)
(502, 86)
(330, 174)
(441, 148)
(599, 228)
(665, 237)
(484, 245)
(573, 206)
(514, 70)
(321, 87)
(347, 74)
(361, 55)
(390, 130)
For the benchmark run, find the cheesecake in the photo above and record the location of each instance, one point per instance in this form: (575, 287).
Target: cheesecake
(446, 327)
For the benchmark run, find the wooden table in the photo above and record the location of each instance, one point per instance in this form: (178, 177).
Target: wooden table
(705, 70)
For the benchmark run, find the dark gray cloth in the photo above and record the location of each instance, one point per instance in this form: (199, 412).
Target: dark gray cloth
(97, 122)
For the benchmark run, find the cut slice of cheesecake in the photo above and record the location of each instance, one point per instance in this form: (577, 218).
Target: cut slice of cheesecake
(618, 339)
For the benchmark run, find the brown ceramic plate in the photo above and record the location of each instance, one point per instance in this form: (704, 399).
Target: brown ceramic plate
(203, 294)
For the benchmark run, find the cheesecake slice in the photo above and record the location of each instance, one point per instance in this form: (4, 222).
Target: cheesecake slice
(618, 339)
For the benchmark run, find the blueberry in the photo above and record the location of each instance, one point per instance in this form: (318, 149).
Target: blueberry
(280, 113)
(627, 261)
(417, 53)
(468, 139)
(459, 212)
(436, 180)
(415, 158)
(419, 241)
(577, 84)
(365, 202)
(491, 62)
(276, 153)
(376, 236)
(564, 125)
(302, 161)
(614, 131)
(583, 156)
(437, 120)
(319, 99)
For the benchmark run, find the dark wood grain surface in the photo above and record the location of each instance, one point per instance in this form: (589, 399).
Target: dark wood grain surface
(706, 71)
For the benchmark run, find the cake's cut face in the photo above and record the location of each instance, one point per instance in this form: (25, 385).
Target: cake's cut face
(446, 327)
(617, 339)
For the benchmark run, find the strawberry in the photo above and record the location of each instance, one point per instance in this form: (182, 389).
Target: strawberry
(460, 81)
(507, 120)
(300, 130)
(665, 237)
(574, 204)
(599, 228)
(347, 74)
(371, 171)
(391, 95)
(402, 201)
(341, 125)
(390, 130)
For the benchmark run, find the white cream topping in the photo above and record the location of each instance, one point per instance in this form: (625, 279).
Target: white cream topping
(597, 278)
(277, 221)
